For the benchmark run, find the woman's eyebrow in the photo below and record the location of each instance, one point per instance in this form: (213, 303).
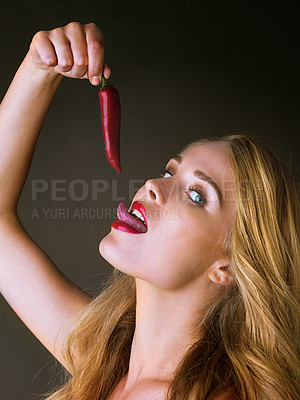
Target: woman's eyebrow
(177, 158)
(201, 175)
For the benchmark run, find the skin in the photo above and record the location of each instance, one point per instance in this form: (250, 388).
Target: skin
(179, 263)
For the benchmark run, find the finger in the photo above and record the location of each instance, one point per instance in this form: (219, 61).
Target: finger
(42, 51)
(62, 48)
(76, 36)
(95, 48)
(106, 71)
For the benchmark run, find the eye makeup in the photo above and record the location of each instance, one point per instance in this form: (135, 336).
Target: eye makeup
(196, 189)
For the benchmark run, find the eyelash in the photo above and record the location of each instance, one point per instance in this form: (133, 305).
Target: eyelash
(196, 189)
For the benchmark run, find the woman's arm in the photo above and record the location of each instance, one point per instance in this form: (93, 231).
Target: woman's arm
(74, 51)
(40, 294)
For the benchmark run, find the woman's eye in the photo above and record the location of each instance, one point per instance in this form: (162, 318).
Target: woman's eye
(196, 195)
(165, 171)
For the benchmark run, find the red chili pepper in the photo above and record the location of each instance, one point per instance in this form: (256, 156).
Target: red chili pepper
(111, 122)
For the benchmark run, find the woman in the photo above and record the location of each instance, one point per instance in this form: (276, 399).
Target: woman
(204, 304)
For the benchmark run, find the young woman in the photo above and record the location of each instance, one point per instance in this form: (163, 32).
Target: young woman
(203, 303)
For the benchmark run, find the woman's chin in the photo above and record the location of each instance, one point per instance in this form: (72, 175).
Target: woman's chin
(117, 252)
(109, 248)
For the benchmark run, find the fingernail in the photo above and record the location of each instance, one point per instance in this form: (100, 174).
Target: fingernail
(95, 80)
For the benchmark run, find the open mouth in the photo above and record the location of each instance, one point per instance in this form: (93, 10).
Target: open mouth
(135, 219)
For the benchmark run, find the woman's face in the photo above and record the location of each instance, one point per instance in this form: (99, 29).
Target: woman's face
(187, 220)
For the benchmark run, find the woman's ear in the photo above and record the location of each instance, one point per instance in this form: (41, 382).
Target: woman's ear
(221, 273)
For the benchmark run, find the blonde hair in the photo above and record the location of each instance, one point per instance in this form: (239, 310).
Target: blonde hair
(251, 330)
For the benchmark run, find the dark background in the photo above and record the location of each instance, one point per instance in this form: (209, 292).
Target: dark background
(183, 72)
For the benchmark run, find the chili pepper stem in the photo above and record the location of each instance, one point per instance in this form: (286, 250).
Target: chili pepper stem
(104, 83)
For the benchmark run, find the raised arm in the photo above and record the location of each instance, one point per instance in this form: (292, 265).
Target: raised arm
(39, 293)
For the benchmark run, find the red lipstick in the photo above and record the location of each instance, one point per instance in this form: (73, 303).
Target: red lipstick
(128, 222)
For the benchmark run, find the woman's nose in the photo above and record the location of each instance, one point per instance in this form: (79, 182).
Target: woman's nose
(157, 191)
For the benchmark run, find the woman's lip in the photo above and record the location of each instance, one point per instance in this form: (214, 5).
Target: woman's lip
(124, 227)
(126, 220)
(139, 207)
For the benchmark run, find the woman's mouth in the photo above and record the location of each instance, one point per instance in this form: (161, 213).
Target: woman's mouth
(133, 222)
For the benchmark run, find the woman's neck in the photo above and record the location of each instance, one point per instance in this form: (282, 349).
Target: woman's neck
(167, 324)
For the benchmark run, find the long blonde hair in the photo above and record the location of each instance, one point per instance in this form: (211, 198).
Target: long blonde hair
(252, 328)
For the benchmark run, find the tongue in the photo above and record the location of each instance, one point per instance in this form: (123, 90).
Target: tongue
(124, 216)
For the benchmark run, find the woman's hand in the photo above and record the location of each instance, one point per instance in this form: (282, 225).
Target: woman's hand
(74, 50)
